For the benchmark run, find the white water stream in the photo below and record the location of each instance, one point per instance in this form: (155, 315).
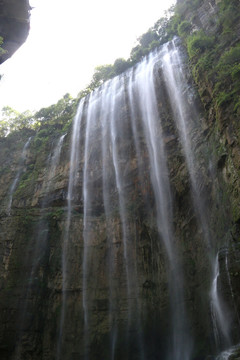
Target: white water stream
(18, 174)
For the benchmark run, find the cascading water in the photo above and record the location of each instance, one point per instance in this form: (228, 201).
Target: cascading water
(19, 173)
(121, 288)
(107, 102)
(230, 287)
(116, 133)
(187, 120)
(225, 318)
(143, 84)
(188, 123)
(102, 118)
(88, 200)
(73, 176)
(219, 319)
(53, 163)
(42, 227)
(39, 247)
(228, 354)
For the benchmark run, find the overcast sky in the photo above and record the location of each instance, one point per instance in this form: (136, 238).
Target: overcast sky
(67, 40)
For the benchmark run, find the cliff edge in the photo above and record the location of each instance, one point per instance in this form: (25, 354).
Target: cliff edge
(14, 25)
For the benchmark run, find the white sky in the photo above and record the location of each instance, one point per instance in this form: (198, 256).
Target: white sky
(68, 39)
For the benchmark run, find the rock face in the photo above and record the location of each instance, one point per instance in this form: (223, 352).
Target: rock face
(70, 284)
(86, 271)
(204, 17)
(14, 25)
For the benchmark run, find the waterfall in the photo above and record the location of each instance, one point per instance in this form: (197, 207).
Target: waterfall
(88, 191)
(39, 246)
(18, 174)
(144, 86)
(108, 208)
(188, 124)
(220, 321)
(222, 316)
(73, 176)
(102, 115)
(121, 273)
(111, 141)
(226, 355)
(230, 287)
(53, 163)
(186, 116)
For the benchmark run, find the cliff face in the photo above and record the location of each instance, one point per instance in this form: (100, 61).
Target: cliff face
(220, 21)
(219, 90)
(87, 271)
(14, 25)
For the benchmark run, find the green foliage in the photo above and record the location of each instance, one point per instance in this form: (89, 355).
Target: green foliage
(42, 133)
(235, 72)
(215, 60)
(120, 65)
(154, 44)
(237, 107)
(162, 31)
(137, 54)
(223, 98)
(101, 74)
(59, 114)
(184, 28)
(56, 214)
(230, 57)
(84, 93)
(204, 65)
(38, 142)
(2, 51)
(12, 120)
(209, 56)
(228, 77)
(198, 43)
(146, 39)
(25, 181)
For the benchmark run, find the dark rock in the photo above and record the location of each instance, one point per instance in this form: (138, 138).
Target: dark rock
(14, 25)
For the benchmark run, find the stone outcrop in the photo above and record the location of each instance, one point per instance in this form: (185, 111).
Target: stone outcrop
(14, 25)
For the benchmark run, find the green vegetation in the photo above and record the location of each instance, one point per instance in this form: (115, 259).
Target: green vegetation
(228, 77)
(58, 115)
(2, 51)
(184, 28)
(211, 57)
(162, 31)
(198, 43)
(214, 58)
(13, 121)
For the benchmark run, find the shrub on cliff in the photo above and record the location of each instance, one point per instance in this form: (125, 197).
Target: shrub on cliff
(184, 28)
(2, 51)
(59, 114)
(198, 43)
